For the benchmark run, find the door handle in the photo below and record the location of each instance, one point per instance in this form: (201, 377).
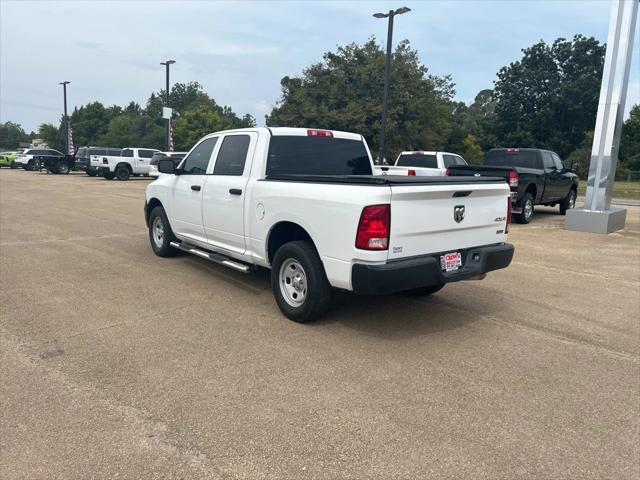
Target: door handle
(235, 191)
(196, 188)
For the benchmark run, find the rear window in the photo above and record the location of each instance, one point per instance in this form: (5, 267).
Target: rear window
(500, 158)
(417, 160)
(289, 155)
(157, 157)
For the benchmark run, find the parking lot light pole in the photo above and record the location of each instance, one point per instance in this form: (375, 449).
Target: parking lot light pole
(387, 71)
(66, 118)
(166, 102)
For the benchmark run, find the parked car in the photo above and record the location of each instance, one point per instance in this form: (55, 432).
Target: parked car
(27, 160)
(83, 158)
(8, 159)
(536, 177)
(55, 163)
(131, 161)
(175, 156)
(305, 203)
(421, 163)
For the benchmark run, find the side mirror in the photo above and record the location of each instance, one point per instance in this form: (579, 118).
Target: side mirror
(574, 167)
(166, 166)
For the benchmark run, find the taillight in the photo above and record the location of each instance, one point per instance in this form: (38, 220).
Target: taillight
(514, 179)
(374, 228)
(319, 133)
(447, 173)
(105, 161)
(411, 172)
(506, 228)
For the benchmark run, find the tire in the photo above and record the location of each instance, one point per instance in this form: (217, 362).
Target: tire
(122, 173)
(160, 233)
(33, 166)
(109, 175)
(91, 174)
(422, 291)
(51, 170)
(526, 204)
(13, 165)
(568, 203)
(63, 168)
(299, 282)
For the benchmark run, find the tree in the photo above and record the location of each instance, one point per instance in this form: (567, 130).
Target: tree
(11, 134)
(630, 141)
(53, 136)
(90, 122)
(344, 92)
(549, 98)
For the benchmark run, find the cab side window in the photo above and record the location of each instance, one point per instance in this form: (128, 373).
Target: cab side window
(146, 153)
(557, 162)
(197, 161)
(232, 155)
(127, 152)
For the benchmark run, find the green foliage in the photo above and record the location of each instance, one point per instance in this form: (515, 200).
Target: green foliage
(549, 98)
(53, 136)
(11, 134)
(344, 92)
(630, 142)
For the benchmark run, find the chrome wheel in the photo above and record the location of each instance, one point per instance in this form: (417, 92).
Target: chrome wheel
(572, 200)
(528, 209)
(63, 168)
(158, 231)
(293, 282)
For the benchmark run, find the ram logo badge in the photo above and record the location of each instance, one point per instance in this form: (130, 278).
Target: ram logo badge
(458, 213)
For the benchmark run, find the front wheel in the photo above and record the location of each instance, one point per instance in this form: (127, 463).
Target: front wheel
(299, 282)
(526, 205)
(160, 233)
(63, 168)
(568, 203)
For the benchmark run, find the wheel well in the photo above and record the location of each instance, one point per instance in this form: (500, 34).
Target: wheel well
(574, 187)
(123, 165)
(282, 233)
(153, 203)
(531, 188)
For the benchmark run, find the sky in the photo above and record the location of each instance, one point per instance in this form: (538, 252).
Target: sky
(111, 51)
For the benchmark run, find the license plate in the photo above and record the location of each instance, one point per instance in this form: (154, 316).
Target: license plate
(450, 262)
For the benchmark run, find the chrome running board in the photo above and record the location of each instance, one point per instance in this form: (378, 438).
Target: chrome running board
(214, 257)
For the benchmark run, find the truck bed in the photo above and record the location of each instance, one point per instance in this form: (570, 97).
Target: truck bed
(384, 180)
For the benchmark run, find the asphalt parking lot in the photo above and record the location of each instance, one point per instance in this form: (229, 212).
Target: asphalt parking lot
(115, 362)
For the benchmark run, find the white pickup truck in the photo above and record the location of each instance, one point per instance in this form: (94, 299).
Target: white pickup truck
(131, 161)
(421, 164)
(304, 203)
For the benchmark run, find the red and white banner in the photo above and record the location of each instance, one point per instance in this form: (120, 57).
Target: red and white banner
(72, 148)
(170, 137)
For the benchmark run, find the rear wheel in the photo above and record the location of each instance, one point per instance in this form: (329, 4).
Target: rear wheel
(33, 165)
(13, 165)
(299, 282)
(122, 173)
(568, 203)
(109, 175)
(91, 173)
(160, 233)
(526, 205)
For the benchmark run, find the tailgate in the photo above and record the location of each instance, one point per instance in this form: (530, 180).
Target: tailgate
(428, 219)
(479, 171)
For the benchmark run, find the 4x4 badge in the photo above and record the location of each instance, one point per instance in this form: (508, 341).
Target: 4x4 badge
(458, 213)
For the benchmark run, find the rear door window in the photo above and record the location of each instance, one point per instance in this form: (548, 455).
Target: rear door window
(232, 155)
(298, 155)
(452, 160)
(419, 160)
(146, 153)
(127, 152)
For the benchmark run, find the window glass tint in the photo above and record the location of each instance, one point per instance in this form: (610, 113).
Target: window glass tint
(127, 152)
(417, 160)
(525, 159)
(232, 155)
(317, 156)
(114, 152)
(177, 158)
(146, 153)
(557, 162)
(450, 160)
(82, 152)
(197, 161)
(547, 160)
(98, 151)
(157, 157)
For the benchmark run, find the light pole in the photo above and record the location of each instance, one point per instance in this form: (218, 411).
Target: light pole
(166, 101)
(66, 118)
(387, 71)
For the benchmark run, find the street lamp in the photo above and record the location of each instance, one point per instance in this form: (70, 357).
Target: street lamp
(387, 70)
(166, 102)
(66, 119)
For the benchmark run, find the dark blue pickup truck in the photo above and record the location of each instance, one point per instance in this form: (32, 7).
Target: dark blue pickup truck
(536, 177)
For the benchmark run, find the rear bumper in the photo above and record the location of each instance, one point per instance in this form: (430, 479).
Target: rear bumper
(402, 275)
